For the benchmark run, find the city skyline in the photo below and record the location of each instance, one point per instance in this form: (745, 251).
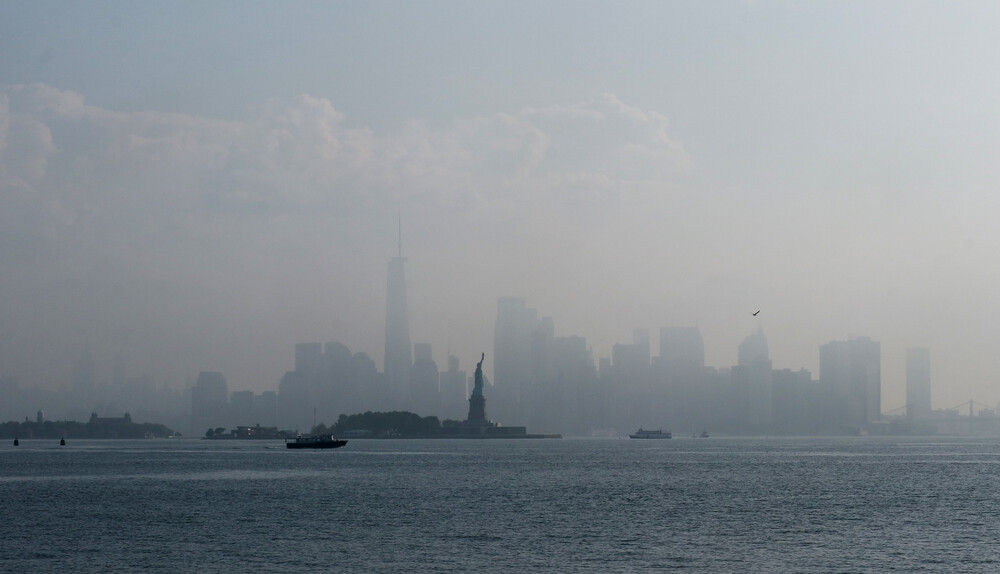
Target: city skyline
(311, 386)
(550, 382)
(87, 375)
(400, 392)
(198, 187)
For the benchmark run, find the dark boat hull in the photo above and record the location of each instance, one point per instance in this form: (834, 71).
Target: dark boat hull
(646, 434)
(317, 444)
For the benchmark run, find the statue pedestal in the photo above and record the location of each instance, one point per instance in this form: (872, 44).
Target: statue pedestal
(477, 410)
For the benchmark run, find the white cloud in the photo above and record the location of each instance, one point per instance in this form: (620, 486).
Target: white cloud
(180, 212)
(303, 152)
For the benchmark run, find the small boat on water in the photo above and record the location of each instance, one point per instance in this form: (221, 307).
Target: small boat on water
(314, 441)
(650, 434)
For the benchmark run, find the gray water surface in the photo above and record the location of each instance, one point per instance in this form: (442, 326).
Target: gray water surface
(865, 504)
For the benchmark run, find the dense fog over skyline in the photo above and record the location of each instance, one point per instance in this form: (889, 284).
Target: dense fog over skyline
(197, 187)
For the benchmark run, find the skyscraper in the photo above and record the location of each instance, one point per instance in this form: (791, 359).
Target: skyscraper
(753, 349)
(454, 391)
(398, 353)
(754, 372)
(424, 396)
(918, 383)
(209, 402)
(631, 362)
(513, 360)
(682, 353)
(852, 369)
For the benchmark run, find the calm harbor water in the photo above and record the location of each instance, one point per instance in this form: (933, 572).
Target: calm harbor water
(865, 504)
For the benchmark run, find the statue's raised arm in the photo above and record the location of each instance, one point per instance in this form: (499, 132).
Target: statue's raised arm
(478, 389)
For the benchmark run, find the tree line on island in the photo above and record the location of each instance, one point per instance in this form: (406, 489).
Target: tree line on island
(373, 424)
(88, 430)
(387, 424)
(367, 424)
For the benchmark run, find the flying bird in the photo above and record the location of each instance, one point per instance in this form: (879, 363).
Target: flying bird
(755, 312)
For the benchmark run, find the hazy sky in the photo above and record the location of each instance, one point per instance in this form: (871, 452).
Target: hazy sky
(199, 185)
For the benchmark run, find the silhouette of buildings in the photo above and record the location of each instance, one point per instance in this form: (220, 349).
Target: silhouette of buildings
(682, 353)
(112, 427)
(253, 409)
(209, 401)
(852, 370)
(329, 380)
(918, 383)
(512, 356)
(632, 361)
(454, 390)
(754, 381)
(680, 384)
(424, 394)
(241, 406)
(294, 403)
(794, 398)
(126, 419)
(541, 380)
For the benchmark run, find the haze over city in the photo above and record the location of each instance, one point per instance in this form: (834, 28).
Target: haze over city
(199, 186)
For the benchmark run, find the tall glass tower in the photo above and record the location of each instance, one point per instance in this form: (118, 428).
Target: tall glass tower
(398, 351)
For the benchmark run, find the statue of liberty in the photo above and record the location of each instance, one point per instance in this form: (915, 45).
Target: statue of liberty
(478, 389)
(477, 402)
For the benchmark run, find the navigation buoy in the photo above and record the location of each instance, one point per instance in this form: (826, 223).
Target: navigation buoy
(62, 442)
(15, 442)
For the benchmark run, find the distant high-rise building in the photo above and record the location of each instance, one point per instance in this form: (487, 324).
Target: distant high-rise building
(424, 391)
(209, 402)
(241, 409)
(852, 369)
(754, 373)
(633, 358)
(630, 363)
(294, 407)
(309, 360)
(918, 382)
(345, 393)
(370, 383)
(454, 390)
(266, 409)
(249, 409)
(398, 353)
(791, 401)
(753, 349)
(512, 357)
(682, 353)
